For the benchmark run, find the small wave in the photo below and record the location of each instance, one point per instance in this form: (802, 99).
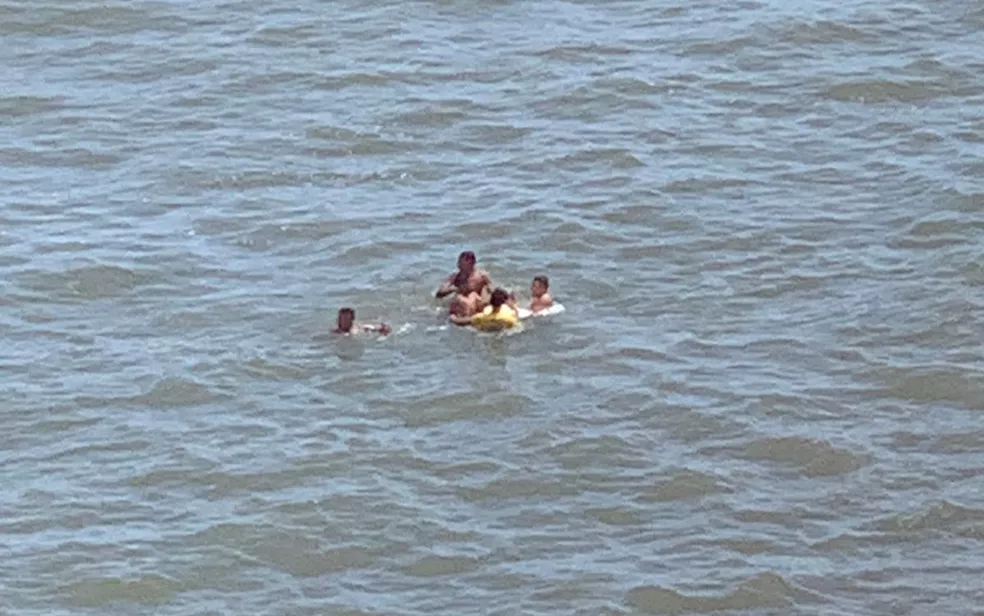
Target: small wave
(87, 282)
(261, 368)
(21, 106)
(338, 133)
(816, 458)
(616, 158)
(788, 285)
(588, 103)
(66, 424)
(434, 117)
(151, 589)
(308, 561)
(881, 91)
(258, 179)
(297, 555)
(289, 36)
(928, 384)
(499, 134)
(965, 202)
(437, 566)
(45, 20)
(69, 157)
(357, 79)
(945, 226)
(707, 184)
(767, 590)
(648, 215)
(685, 485)
(723, 47)
(128, 448)
(822, 32)
(223, 484)
(943, 515)
(278, 81)
(936, 233)
(531, 489)
(750, 547)
(580, 54)
(377, 146)
(463, 407)
(583, 453)
(364, 253)
(969, 442)
(492, 75)
(485, 229)
(617, 516)
(633, 86)
(177, 393)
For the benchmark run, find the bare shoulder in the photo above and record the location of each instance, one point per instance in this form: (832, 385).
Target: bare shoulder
(541, 303)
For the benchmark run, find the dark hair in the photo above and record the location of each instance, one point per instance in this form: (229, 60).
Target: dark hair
(542, 280)
(467, 256)
(347, 311)
(499, 297)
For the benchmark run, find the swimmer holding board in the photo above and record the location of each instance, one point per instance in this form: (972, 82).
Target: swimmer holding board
(347, 325)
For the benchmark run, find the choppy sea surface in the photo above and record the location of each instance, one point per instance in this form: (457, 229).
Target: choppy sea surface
(765, 220)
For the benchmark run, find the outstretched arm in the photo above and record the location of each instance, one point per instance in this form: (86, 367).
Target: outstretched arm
(382, 328)
(447, 288)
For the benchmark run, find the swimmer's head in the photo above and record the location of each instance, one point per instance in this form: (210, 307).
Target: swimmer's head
(346, 318)
(499, 297)
(466, 261)
(540, 285)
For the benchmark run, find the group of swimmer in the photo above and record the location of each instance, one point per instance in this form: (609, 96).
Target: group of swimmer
(475, 302)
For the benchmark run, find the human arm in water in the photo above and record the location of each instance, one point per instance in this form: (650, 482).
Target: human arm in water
(486, 291)
(511, 302)
(363, 328)
(382, 328)
(459, 283)
(448, 287)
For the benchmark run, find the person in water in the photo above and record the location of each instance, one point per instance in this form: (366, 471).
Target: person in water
(470, 285)
(540, 291)
(347, 324)
(497, 310)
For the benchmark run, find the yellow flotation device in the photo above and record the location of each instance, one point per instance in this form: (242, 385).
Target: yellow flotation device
(487, 321)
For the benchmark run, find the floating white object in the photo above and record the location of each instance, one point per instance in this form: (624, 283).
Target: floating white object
(556, 308)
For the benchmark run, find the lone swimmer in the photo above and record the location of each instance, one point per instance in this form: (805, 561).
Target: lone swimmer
(540, 291)
(347, 325)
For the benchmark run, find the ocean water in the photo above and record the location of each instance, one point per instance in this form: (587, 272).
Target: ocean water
(765, 220)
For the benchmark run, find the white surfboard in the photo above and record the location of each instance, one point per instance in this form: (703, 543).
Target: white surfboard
(556, 308)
